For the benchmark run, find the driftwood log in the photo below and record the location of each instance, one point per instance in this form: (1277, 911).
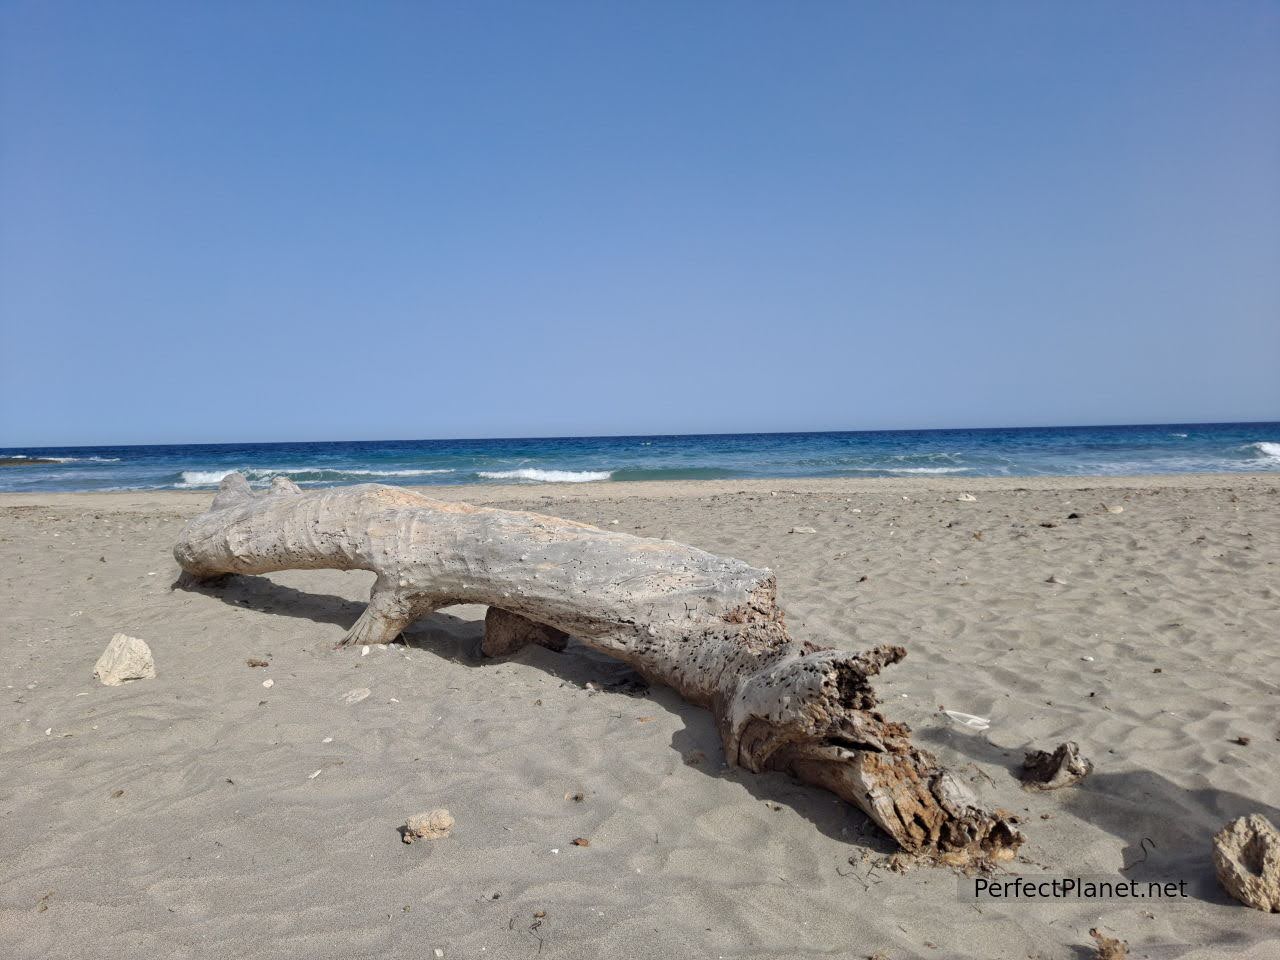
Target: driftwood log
(707, 626)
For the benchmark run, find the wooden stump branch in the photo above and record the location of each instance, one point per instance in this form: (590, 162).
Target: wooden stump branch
(705, 625)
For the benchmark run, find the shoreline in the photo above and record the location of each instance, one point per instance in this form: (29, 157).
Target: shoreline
(686, 489)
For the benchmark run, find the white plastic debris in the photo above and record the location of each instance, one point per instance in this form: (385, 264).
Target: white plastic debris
(968, 720)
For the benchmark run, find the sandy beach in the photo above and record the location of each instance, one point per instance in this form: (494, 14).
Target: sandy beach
(200, 814)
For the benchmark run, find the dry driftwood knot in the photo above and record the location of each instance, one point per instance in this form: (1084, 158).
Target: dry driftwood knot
(1042, 770)
(1246, 857)
(708, 626)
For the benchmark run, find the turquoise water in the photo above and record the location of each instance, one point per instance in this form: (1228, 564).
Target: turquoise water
(1088, 451)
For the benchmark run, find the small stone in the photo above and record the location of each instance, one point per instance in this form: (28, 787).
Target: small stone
(1246, 857)
(431, 825)
(268, 683)
(126, 658)
(356, 695)
(364, 651)
(1115, 509)
(438, 952)
(581, 842)
(1054, 578)
(255, 662)
(803, 530)
(967, 498)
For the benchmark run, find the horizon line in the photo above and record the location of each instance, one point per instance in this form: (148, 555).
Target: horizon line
(627, 436)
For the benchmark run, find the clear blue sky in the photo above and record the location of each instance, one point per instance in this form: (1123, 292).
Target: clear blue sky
(277, 221)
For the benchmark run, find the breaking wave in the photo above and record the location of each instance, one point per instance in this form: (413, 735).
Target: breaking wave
(23, 456)
(1268, 449)
(910, 469)
(546, 476)
(211, 478)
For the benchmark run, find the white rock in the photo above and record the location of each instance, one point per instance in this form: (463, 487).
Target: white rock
(803, 530)
(268, 684)
(1246, 856)
(126, 658)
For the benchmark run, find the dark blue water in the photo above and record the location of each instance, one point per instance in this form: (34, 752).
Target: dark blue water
(1091, 451)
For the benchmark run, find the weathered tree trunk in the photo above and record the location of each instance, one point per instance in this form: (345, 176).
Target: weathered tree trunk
(707, 626)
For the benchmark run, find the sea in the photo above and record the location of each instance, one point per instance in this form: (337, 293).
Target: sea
(1017, 452)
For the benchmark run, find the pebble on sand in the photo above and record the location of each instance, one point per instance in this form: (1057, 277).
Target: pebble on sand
(967, 498)
(803, 530)
(1108, 948)
(126, 658)
(431, 825)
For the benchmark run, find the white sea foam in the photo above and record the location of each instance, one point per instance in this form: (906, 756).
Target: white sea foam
(210, 478)
(547, 476)
(378, 473)
(202, 478)
(927, 470)
(22, 456)
(911, 469)
(1268, 449)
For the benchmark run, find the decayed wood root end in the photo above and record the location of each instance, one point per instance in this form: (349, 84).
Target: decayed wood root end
(813, 714)
(1042, 770)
